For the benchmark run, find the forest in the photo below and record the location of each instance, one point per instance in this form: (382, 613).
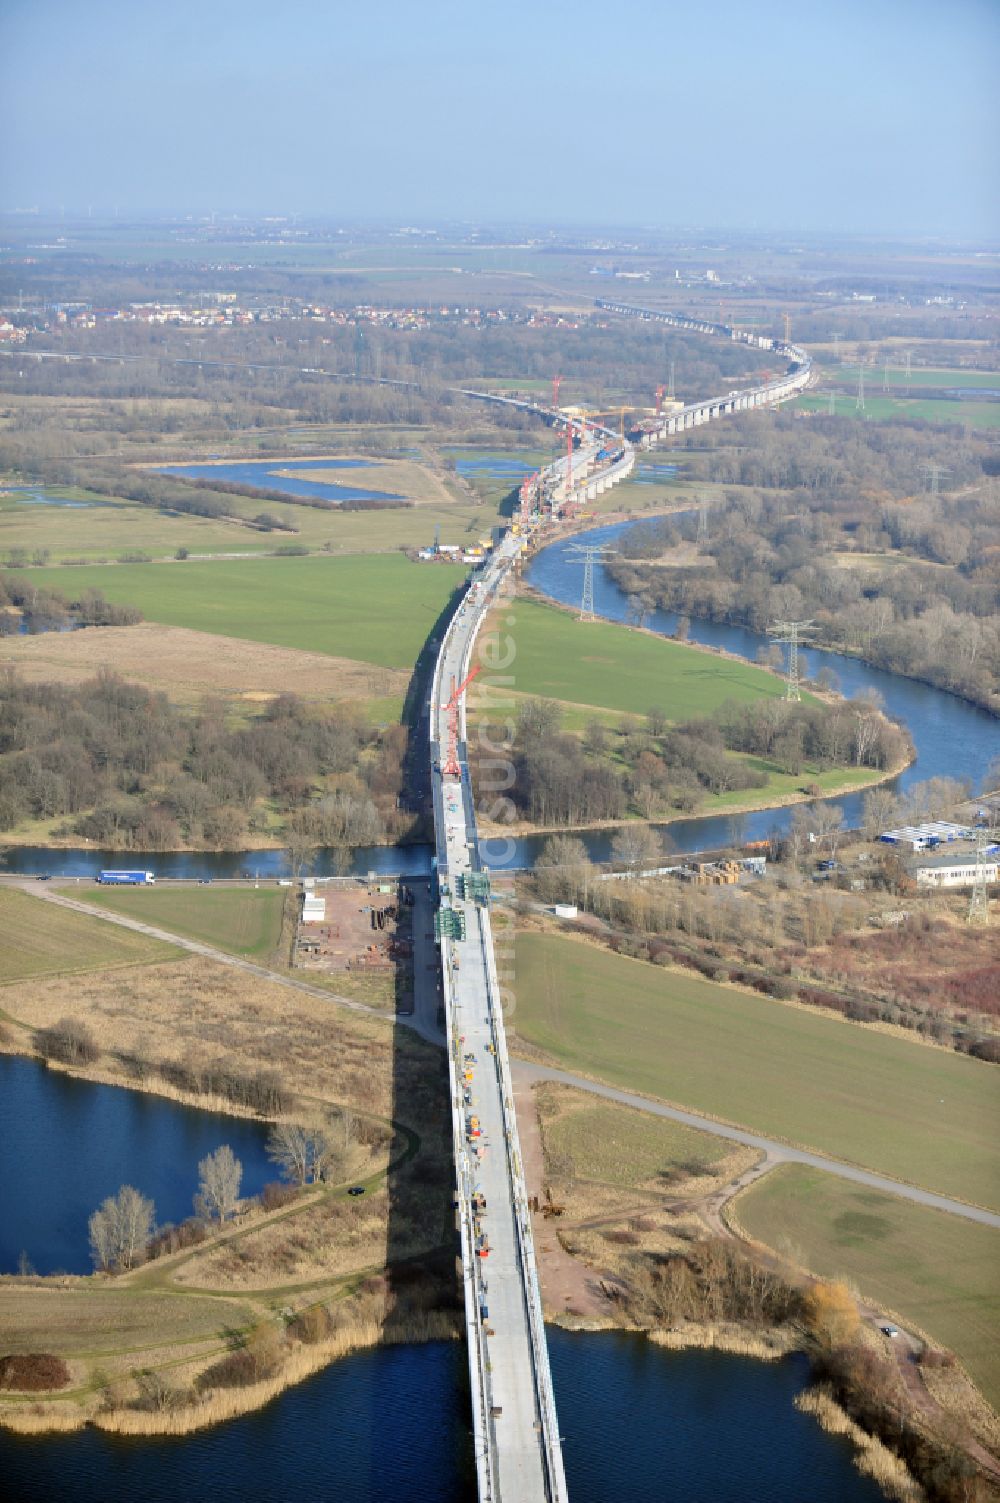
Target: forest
(121, 767)
(855, 539)
(655, 768)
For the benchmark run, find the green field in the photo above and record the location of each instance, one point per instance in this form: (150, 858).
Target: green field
(377, 610)
(39, 939)
(600, 663)
(938, 1271)
(937, 376)
(901, 1109)
(620, 1146)
(245, 921)
(879, 408)
(107, 527)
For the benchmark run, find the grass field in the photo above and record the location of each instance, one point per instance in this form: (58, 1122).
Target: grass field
(90, 1322)
(936, 376)
(600, 663)
(936, 1270)
(878, 408)
(38, 939)
(108, 528)
(620, 1146)
(188, 665)
(243, 921)
(902, 1109)
(374, 610)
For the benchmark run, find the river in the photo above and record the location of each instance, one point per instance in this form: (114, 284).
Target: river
(951, 737)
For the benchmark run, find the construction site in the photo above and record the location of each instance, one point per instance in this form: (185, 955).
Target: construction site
(360, 931)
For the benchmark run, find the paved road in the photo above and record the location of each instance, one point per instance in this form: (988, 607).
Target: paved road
(424, 1022)
(524, 1070)
(50, 895)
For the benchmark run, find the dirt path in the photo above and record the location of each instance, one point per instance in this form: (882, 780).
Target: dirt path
(568, 1285)
(526, 1070)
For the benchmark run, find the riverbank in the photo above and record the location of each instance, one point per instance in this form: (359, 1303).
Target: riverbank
(642, 1208)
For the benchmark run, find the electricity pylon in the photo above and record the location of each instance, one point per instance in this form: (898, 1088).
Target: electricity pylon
(859, 405)
(792, 634)
(979, 902)
(588, 552)
(934, 472)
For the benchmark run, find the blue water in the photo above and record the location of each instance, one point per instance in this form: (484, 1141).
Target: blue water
(67, 1144)
(390, 1426)
(37, 497)
(495, 464)
(265, 475)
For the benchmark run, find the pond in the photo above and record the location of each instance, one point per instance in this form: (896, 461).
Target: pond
(265, 474)
(390, 1425)
(69, 1143)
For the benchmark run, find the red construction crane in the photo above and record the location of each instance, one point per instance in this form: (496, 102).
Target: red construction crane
(556, 383)
(450, 768)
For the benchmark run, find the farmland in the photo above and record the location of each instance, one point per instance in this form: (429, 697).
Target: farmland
(935, 1270)
(102, 529)
(601, 664)
(880, 408)
(780, 1070)
(39, 939)
(243, 921)
(375, 610)
(188, 665)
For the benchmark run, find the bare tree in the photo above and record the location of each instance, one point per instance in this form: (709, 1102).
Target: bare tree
(880, 810)
(635, 847)
(327, 1156)
(828, 821)
(120, 1229)
(288, 1147)
(219, 1176)
(309, 1154)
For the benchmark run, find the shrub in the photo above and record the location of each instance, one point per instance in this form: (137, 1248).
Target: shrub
(312, 1325)
(69, 1041)
(275, 1195)
(33, 1372)
(235, 1370)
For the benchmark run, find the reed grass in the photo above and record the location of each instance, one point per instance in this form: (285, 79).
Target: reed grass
(767, 1345)
(42, 1418)
(871, 1457)
(298, 1364)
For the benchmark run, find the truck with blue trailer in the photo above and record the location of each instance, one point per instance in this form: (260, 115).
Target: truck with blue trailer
(126, 879)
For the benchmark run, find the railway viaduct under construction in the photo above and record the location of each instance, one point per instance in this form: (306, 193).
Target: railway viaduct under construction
(515, 1427)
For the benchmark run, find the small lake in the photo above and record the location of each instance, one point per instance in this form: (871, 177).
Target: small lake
(37, 496)
(68, 1143)
(266, 475)
(391, 1425)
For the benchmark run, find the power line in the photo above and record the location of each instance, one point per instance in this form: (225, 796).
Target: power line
(934, 471)
(979, 902)
(587, 553)
(792, 634)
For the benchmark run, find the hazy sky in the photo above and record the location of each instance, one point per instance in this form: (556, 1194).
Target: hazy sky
(859, 115)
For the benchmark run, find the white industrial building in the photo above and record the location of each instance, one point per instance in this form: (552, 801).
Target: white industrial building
(922, 837)
(313, 908)
(958, 870)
